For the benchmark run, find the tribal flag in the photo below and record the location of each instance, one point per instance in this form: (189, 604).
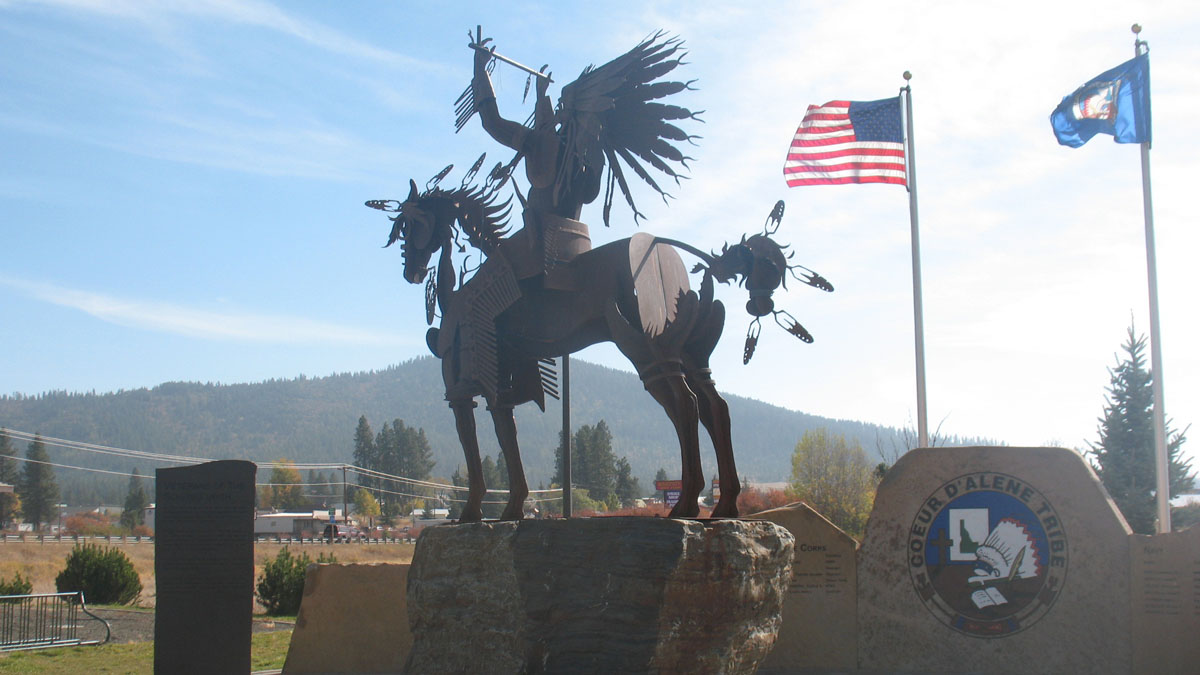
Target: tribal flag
(1115, 102)
(848, 142)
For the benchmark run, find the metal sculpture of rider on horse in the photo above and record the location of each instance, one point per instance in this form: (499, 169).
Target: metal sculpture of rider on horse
(543, 291)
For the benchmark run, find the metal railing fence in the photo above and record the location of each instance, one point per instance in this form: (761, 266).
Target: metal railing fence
(44, 620)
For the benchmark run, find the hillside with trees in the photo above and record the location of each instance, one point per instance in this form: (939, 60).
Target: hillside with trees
(315, 420)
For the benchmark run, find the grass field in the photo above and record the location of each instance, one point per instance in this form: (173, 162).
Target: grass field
(267, 652)
(41, 563)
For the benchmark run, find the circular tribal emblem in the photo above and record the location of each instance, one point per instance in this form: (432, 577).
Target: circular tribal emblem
(987, 554)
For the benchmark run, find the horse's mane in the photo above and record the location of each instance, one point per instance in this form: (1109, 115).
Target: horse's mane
(482, 217)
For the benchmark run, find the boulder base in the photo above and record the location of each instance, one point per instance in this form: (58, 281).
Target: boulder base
(616, 595)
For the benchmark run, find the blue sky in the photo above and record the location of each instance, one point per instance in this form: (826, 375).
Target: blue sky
(181, 189)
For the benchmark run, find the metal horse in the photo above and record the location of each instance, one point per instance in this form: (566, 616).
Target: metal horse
(634, 292)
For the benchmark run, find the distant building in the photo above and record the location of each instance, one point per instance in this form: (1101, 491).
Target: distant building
(295, 524)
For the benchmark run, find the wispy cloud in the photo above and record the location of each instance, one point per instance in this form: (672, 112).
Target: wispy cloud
(206, 324)
(246, 12)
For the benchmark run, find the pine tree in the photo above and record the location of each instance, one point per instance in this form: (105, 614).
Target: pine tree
(501, 472)
(597, 463)
(493, 504)
(10, 474)
(416, 457)
(627, 488)
(364, 450)
(559, 479)
(135, 502)
(37, 487)
(1124, 455)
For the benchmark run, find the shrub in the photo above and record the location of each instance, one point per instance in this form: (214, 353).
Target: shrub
(281, 585)
(18, 586)
(90, 524)
(105, 575)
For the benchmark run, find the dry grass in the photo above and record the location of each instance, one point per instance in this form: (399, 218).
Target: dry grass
(41, 563)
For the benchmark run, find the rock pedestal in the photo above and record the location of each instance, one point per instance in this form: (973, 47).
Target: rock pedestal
(615, 595)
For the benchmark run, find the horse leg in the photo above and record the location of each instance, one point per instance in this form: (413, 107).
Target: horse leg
(506, 434)
(714, 415)
(673, 394)
(714, 411)
(464, 421)
(663, 377)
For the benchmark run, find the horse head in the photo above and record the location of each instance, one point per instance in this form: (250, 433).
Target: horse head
(419, 229)
(760, 264)
(756, 262)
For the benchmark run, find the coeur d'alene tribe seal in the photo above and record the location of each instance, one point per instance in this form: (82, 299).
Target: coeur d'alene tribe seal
(987, 554)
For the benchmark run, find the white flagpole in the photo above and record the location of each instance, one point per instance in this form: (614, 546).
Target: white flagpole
(1162, 466)
(918, 314)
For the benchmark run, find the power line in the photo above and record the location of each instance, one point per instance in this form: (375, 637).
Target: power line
(81, 468)
(183, 459)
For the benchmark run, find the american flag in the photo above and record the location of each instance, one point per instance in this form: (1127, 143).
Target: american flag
(848, 142)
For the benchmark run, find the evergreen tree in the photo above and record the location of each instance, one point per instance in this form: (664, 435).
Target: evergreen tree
(1124, 455)
(401, 450)
(135, 502)
(416, 457)
(37, 487)
(10, 474)
(559, 479)
(597, 463)
(364, 450)
(501, 472)
(627, 487)
(457, 496)
(493, 503)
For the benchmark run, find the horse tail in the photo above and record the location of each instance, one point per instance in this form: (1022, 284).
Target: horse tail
(660, 281)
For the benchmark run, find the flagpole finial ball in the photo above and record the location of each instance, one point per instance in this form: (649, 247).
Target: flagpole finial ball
(907, 76)
(1136, 28)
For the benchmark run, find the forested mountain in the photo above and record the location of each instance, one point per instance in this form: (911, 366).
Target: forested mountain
(313, 420)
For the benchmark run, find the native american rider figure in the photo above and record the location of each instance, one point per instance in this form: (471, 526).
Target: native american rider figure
(543, 291)
(606, 114)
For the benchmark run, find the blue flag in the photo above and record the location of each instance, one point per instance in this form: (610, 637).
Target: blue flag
(1115, 102)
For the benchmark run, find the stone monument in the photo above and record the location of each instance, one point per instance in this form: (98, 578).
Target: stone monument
(597, 595)
(1165, 576)
(820, 624)
(204, 568)
(991, 559)
(353, 619)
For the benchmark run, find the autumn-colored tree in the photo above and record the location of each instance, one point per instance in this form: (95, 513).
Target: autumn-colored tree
(284, 491)
(835, 478)
(366, 506)
(751, 501)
